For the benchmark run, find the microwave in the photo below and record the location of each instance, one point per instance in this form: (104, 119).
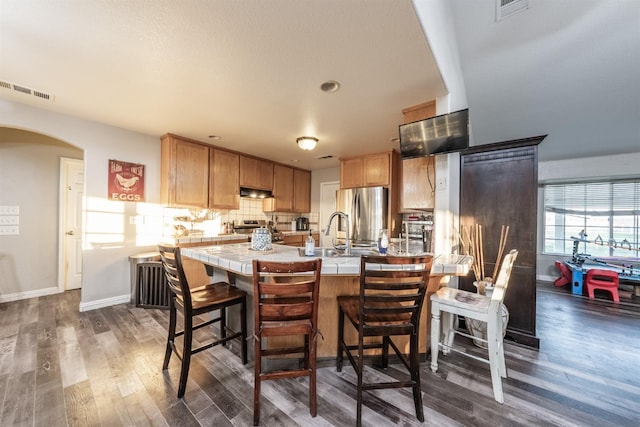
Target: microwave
(416, 229)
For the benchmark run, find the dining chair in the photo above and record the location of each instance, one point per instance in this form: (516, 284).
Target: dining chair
(389, 303)
(471, 305)
(606, 280)
(285, 303)
(193, 302)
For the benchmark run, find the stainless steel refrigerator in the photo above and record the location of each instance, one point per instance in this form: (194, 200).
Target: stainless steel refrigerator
(367, 209)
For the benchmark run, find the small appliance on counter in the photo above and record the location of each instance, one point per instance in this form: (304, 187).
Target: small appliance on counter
(302, 224)
(420, 230)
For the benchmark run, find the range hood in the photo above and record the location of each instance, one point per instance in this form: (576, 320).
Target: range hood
(255, 194)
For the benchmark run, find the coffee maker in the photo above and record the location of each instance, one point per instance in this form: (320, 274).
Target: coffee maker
(302, 224)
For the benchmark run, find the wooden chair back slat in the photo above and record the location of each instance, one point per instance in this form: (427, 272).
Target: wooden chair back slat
(392, 286)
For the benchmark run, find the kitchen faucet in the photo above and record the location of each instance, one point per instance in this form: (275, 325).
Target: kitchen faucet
(328, 229)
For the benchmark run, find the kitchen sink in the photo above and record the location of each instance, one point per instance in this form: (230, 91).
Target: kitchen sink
(332, 252)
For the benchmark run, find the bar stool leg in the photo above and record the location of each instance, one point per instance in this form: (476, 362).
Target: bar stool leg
(340, 339)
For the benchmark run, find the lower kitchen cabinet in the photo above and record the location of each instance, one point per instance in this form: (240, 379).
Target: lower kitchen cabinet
(299, 239)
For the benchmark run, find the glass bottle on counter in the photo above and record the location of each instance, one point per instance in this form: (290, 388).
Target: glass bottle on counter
(310, 245)
(383, 241)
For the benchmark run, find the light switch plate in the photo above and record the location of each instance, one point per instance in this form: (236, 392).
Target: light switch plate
(9, 210)
(9, 220)
(7, 230)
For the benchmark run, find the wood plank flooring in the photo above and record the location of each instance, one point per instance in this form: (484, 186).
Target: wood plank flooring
(60, 367)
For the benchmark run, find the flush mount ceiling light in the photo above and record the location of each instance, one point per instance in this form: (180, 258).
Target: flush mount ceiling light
(330, 86)
(307, 142)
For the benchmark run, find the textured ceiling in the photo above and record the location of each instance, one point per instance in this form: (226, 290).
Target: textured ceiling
(248, 71)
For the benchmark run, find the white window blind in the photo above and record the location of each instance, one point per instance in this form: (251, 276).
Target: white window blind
(606, 211)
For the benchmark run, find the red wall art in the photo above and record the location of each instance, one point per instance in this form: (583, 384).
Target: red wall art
(126, 181)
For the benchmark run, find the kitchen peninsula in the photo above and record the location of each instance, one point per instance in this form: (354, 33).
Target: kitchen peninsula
(340, 276)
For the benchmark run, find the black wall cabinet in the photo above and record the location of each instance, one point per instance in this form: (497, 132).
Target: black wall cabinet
(498, 186)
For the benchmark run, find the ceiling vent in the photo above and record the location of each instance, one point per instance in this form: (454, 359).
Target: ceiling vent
(27, 91)
(328, 156)
(506, 8)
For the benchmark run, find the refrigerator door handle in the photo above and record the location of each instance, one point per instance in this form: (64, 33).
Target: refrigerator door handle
(355, 217)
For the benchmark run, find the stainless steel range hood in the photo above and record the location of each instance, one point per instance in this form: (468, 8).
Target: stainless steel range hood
(255, 194)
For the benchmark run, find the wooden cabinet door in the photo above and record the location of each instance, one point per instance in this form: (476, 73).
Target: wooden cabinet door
(224, 179)
(301, 191)
(377, 170)
(282, 188)
(184, 173)
(256, 173)
(418, 184)
(419, 112)
(352, 173)
(293, 240)
(499, 186)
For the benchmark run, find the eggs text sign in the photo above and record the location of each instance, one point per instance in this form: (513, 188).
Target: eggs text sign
(126, 181)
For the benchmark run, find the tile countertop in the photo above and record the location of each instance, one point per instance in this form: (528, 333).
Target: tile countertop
(206, 239)
(238, 258)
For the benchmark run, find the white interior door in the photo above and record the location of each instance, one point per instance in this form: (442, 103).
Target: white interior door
(71, 195)
(327, 207)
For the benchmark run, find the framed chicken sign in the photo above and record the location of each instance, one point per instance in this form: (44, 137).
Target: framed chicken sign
(126, 181)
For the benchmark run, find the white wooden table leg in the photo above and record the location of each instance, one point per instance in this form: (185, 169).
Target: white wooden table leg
(435, 335)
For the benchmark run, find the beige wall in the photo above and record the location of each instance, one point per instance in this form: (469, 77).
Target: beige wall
(105, 265)
(29, 177)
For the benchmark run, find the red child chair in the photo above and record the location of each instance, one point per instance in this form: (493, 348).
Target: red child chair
(602, 279)
(565, 274)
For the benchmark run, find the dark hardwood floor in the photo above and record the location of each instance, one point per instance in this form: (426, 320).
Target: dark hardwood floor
(60, 367)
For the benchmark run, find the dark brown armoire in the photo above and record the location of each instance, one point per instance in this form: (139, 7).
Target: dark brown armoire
(499, 186)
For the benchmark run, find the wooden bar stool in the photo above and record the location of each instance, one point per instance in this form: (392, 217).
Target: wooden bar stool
(194, 302)
(479, 307)
(392, 291)
(285, 301)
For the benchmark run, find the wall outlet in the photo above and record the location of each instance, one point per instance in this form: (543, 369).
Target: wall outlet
(441, 184)
(7, 230)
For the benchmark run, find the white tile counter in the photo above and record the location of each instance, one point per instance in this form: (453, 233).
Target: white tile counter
(340, 276)
(238, 258)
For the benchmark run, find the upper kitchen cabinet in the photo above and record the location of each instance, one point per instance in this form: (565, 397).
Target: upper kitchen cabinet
(224, 179)
(419, 112)
(418, 184)
(184, 172)
(282, 188)
(417, 191)
(301, 191)
(368, 171)
(291, 190)
(256, 173)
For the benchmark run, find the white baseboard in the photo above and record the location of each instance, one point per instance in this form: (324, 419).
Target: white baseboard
(107, 302)
(29, 294)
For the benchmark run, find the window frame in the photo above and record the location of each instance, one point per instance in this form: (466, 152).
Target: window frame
(562, 211)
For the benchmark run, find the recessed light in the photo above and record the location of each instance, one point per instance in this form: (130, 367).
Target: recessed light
(330, 86)
(215, 137)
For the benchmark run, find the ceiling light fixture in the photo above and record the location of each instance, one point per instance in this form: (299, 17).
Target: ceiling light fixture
(330, 86)
(307, 142)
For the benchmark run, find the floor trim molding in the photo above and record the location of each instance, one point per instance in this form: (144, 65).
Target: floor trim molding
(29, 294)
(106, 302)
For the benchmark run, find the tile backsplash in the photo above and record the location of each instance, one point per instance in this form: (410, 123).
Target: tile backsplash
(210, 223)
